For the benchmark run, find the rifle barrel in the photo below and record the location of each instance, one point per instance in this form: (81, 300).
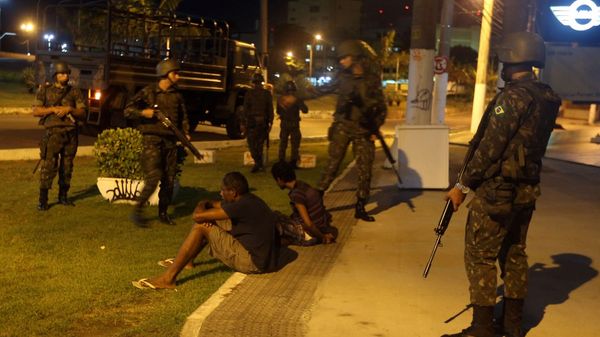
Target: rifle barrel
(437, 243)
(388, 154)
(180, 136)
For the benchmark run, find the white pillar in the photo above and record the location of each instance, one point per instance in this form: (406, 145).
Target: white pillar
(482, 62)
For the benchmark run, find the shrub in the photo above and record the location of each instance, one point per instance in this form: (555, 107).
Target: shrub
(118, 153)
(29, 78)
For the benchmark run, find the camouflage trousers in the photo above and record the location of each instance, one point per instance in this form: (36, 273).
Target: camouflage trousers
(491, 238)
(293, 133)
(159, 164)
(364, 153)
(58, 148)
(256, 137)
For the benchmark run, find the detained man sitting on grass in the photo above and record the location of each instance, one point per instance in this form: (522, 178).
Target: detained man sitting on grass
(250, 247)
(310, 222)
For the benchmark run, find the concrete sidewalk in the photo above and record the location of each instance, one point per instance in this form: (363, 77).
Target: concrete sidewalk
(371, 284)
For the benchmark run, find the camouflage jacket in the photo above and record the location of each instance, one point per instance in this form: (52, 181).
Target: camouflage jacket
(170, 102)
(288, 109)
(48, 95)
(513, 134)
(360, 103)
(258, 108)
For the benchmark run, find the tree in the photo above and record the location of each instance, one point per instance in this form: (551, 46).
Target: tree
(463, 69)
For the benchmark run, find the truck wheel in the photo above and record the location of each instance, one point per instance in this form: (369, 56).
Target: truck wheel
(233, 125)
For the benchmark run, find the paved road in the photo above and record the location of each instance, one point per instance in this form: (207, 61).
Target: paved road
(19, 131)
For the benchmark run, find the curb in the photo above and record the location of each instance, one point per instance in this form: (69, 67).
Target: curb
(15, 111)
(193, 323)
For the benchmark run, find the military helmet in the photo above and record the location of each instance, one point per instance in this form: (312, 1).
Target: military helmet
(258, 78)
(61, 67)
(290, 86)
(523, 47)
(164, 67)
(356, 48)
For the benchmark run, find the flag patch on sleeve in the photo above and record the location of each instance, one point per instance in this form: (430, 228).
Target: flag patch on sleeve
(499, 110)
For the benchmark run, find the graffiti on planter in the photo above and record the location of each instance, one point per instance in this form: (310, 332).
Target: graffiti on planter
(125, 190)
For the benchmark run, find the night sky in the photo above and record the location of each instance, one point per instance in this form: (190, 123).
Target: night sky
(239, 13)
(242, 15)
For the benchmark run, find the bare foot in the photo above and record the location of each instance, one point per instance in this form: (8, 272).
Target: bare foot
(159, 283)
(148, 284)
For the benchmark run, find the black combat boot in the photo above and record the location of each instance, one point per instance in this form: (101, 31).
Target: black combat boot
(62, 197)
(163, 216)
(482, 324)
(513, 317)
(43, 201)
(137, 217)
(360, 212)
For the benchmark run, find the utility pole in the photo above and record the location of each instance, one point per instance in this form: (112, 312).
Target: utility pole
(440, 87)
(482, 63)
(264, 36)
(420, 68)
(423, 153)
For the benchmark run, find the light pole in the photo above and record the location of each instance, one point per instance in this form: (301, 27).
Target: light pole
(482, 62)
(28, 28)
(49, 38)
(311, 46)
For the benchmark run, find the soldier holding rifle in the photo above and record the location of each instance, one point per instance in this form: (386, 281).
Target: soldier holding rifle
(504, 173)
(289, 106)
(257, 120)
(359, 112)
(159, 157)
(58, 105)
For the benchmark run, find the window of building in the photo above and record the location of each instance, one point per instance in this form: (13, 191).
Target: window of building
(314, 9)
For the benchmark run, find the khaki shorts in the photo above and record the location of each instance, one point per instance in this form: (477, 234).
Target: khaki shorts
(223, 246)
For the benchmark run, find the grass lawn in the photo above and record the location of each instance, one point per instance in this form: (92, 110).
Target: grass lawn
(67, 271)
(15, 95)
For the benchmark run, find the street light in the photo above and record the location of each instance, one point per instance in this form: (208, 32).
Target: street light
(28, 28)
(49, 38)
(317, 38)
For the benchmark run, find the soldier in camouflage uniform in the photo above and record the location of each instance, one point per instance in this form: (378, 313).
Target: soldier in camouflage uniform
(58, 105)
(504, 172)
(288, 109)
(159, 157)
(359, 112)
(257, 119)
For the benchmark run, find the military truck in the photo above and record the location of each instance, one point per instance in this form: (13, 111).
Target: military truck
(113, 50)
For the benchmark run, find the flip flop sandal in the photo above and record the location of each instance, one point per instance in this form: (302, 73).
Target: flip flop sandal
(144, 284)
(168, 262)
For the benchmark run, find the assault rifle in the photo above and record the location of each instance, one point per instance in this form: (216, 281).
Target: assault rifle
(446, 216)
(449, 208)
(388, 154)
(178, 134)
(375, 131)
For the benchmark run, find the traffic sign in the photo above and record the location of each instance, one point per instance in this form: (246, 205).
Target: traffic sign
(440, 64)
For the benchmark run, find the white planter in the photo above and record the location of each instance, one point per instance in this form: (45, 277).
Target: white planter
(126, 191)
